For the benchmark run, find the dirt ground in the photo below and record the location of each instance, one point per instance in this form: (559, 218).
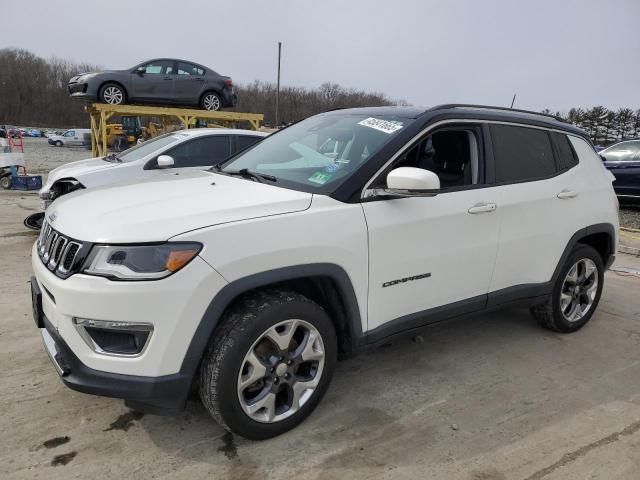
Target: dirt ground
(489, 398)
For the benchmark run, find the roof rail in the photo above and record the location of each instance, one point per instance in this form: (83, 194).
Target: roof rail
(489, 107)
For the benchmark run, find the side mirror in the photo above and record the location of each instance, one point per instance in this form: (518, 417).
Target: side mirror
(140, 71)
(410, 178)
(165, 161)
(603, 158)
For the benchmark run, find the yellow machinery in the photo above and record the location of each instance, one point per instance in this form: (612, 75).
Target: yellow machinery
(171, 119)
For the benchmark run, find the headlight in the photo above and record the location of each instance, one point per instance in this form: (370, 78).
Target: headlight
(86, 76)
(139, 262)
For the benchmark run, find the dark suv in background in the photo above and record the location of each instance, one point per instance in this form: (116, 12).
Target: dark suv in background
(160, 81)
(623, 160)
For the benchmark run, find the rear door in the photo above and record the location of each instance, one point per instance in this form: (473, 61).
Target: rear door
(623, 161)
(541, 205)
(188, 82)
(156, 83)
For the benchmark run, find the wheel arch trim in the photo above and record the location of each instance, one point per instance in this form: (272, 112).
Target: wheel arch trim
(230, 292)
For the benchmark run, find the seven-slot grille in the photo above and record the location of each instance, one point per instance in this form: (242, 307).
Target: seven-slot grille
(58, 252)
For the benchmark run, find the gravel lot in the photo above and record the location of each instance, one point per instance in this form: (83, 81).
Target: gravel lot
(489, 398)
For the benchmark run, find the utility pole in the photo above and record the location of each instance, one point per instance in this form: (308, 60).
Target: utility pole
(278, 87)
(513, 100)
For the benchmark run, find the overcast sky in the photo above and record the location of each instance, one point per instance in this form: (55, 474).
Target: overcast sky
(552, 53)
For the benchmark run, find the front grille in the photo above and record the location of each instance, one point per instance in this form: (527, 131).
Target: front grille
(77, 88)
(61, 254)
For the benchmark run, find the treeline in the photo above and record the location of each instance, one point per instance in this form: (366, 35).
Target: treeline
(297, 103)
(33, 92)
(603, 125)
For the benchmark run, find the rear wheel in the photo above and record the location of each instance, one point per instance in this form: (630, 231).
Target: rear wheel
(113, 94)
(5, 182)
(211, 101)
(269, 364)
(576, 292)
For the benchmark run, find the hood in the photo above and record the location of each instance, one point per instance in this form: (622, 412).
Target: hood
(78, 170)
(159, 208)
(93, 74)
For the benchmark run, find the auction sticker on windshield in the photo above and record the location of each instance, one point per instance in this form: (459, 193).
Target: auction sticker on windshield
(386, 126)
(320, 177)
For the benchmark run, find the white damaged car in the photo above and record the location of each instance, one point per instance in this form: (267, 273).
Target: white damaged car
(195, 148)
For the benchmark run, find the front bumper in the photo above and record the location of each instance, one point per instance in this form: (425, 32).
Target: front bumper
(174, 306)
(82, 90)
(161, 395)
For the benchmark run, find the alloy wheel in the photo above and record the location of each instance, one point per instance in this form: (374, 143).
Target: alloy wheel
(113, 95)
(281, 371)
(579, 290)
(211, 102)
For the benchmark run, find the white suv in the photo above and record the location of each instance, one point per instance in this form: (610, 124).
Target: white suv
(250, 280)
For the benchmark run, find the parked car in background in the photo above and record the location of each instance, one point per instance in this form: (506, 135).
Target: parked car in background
(248, 281)
(8, 130)
(623, 161)
(160, 81)
(76, 137)
(165, 155)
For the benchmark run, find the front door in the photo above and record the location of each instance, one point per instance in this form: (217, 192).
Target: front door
(623, 161)
(155, 82)
(434, 251)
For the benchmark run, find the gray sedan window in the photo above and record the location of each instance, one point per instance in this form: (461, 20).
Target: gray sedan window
(162, 67)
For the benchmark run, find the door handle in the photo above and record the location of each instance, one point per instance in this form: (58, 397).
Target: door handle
(167, 78)
(483, 207)
(564, 194)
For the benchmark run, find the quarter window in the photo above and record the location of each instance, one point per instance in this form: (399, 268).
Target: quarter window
(521, 153)
(567, 157)
(201, 152)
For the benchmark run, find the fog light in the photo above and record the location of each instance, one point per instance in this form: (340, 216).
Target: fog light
(114, 338)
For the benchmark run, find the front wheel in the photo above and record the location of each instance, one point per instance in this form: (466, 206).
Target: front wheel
(576, 292)
(269, 364)
(113, 94)
(5, 182)
(211, 101)
(58, 143)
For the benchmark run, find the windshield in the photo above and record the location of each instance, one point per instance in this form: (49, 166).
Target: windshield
(150, 146)
(321, 152)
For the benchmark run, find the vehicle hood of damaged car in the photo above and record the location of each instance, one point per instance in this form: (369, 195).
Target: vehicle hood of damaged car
(162, 207)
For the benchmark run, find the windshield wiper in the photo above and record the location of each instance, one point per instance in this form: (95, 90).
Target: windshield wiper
(246, 173)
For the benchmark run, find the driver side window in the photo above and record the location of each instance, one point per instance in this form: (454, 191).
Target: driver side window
(452, 153)
(162, 67)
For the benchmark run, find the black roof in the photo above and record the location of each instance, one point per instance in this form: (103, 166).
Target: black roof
(479, 112)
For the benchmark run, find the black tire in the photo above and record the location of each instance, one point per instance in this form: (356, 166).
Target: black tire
(211, 101)
(58, 143)
(241, 326)
(549, 314)
(5, 182)
(34, 221)
(113, 94)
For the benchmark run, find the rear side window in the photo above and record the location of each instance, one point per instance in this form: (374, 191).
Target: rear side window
(521, 153)
(243, 142)
(201, 152)
(567, 157)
